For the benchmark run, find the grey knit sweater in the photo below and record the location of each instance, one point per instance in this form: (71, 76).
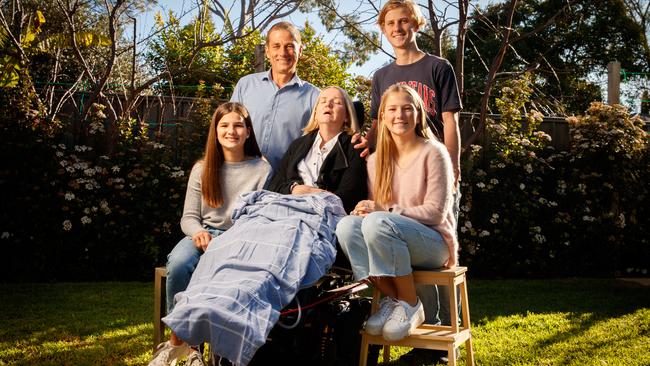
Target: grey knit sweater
(236, 178)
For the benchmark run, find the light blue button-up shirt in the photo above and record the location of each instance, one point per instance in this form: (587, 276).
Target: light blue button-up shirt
(278, 114)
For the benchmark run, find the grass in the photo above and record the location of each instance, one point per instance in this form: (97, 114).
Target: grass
(516, 322)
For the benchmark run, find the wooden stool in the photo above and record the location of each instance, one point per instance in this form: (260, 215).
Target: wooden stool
(159, 304)
(440, 337)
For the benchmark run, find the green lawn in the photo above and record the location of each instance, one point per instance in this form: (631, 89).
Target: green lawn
(516, 322)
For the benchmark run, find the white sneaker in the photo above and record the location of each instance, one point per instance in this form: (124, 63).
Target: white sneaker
(376, 321)
(167, 354)
(195, 359)
(403, 320)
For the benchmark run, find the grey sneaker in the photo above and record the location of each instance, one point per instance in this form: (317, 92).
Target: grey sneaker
(376, 321)
(167, 354)
(403, 320)
(195, 359)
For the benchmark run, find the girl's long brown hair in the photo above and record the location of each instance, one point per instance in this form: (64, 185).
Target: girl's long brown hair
(386, 149)
(213, 158)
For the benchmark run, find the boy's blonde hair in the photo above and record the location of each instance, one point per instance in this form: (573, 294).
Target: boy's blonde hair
(411, 6)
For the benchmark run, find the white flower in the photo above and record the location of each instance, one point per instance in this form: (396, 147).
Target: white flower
(480, 172)
(494, 181)
(86, 220)
(463, 229)
(501, 165)
(468, 224)
(522, 186)
(89, 172)
(61, 146)
(115, 169)
(59, 154)
(67, 225)
(588, 218)
(528, 168)
(70, 169)
(480, 185)
(483, 233)
(177, 174)
(158, 146)
(69, 196)
(539, 238)
(536, 229)
(5, 235)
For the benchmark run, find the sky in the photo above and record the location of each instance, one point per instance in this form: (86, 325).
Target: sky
(145, 24)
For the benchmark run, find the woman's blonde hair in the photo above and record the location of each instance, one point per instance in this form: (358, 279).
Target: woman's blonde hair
(386, 149)
(213, 158)
(351, 124)
(411, 6)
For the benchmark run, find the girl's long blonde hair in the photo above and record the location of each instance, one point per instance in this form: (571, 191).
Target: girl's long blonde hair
(213, 158)
(386, 149)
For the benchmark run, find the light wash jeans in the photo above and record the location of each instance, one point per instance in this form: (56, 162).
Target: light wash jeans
(181, 263)
(435, 299)
(388, 244)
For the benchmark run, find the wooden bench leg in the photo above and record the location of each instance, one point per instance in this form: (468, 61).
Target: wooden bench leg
(363, 355)
(159, 304)
(469, 351)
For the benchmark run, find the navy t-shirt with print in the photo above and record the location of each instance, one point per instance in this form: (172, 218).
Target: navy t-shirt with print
(432, 77)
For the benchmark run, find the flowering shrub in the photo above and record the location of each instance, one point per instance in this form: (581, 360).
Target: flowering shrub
(108, 208)
(528, 210)
(608, 196)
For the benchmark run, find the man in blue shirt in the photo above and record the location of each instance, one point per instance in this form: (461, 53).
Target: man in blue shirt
(279, 103)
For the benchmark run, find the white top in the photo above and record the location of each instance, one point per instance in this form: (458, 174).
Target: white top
(309, 167)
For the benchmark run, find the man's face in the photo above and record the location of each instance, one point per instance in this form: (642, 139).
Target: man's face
(282, 51)
(399, 27)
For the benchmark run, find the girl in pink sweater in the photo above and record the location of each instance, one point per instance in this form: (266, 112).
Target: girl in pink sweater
(408, 221)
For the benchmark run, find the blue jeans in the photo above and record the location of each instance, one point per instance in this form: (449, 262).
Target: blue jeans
(435, 299)
(181, 263)
(388, 244)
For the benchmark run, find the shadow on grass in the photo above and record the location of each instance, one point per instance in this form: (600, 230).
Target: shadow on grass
(515, 322)
(76, 324)
(560, 322)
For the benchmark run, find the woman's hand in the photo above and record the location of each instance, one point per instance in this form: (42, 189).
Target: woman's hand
(363, 208)
(201, 240)
(305, 189)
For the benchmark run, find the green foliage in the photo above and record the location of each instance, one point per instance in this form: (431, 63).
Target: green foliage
(175, 47)
(12, 59)
(320, 66)
(608, 173)
(563, 53)
(540, 211)
(360, 43)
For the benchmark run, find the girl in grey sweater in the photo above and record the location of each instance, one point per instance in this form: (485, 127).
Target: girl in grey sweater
(232, 165)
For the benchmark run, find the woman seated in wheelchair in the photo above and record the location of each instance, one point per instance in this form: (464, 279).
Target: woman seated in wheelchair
(408, 221)
(324, 158)
(279, 242)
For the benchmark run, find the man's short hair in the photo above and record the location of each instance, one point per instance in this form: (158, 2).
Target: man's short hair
(412, 7)
(295, 33)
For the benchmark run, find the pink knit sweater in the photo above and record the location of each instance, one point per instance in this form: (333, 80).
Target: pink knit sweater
(423, 190)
